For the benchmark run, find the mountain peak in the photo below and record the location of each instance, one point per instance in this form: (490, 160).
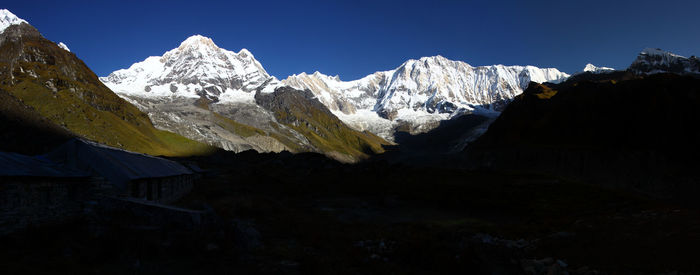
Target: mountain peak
(8, 18)
(651, 61)
(197, 41)
(595, 69)
(435, 58)
(196, 67)
(657, 51)
(245, 53)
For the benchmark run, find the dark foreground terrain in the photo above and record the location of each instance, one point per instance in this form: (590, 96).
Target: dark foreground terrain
(301, 214)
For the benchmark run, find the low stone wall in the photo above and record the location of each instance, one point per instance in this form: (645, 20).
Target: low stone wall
(29, 201)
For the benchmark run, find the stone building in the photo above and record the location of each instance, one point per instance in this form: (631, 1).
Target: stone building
(133, 174)
(78, 175)
(35, 191)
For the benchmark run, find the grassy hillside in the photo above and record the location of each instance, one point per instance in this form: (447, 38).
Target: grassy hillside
(61, 88)
(298, 110)
(23, 130)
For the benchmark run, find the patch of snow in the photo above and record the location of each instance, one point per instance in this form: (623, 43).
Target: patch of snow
(367, 120)
(8, 18)
(63, 46)
(237, 96)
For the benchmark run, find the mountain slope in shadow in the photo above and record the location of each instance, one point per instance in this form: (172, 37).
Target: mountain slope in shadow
(616, 130)
(23, 130)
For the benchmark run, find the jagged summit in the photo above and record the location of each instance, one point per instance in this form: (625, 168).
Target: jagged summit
(197, 68)
(420, 91)
(196, 41)
(593, 68)
(657, 51)
(590, 68)
(435, 58)
(7, 18)
(651, 61)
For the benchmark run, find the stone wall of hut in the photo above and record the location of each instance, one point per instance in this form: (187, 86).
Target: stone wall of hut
(30, 201)
(162, 190)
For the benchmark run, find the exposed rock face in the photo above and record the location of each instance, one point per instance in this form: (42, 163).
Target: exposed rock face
(651, 61)
(196, 120)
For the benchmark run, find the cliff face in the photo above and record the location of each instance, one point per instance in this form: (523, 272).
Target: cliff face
(638, 133)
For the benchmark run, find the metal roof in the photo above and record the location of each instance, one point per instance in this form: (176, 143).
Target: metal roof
(17, 165)
(115, 165)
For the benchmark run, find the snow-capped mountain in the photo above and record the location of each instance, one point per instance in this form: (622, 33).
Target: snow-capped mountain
(593, 69)
(228, 100)
(196, 68)
(590, 68)
(176, 91)
(420, 92)
(651, 61)
(8, 18)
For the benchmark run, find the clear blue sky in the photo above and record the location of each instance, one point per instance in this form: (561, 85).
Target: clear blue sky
(356, 38)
